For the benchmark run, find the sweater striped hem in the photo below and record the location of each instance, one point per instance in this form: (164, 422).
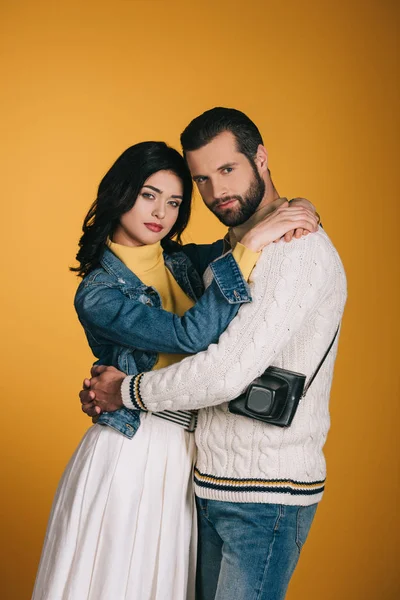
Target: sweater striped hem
(280, 486)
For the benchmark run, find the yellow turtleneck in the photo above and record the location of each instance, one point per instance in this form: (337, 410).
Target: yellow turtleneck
(148, 265)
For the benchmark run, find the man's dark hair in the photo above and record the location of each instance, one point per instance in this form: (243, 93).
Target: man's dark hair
(211, 123)
(117, 194)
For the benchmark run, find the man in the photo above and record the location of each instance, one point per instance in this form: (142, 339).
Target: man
(257, 485)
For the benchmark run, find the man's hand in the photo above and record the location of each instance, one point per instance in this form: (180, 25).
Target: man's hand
(87, 398)
(285, 219)
(102, 393)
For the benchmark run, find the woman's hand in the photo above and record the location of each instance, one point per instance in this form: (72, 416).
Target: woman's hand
(284, 220)
(298, 233)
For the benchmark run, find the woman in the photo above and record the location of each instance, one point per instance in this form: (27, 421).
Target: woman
(121, 522)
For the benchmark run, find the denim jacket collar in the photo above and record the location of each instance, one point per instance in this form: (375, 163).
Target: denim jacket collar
(114, 266)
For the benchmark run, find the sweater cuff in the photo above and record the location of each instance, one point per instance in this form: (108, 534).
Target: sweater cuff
(130, 392)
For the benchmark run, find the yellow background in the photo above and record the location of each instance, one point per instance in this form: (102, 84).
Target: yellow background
(81, 81)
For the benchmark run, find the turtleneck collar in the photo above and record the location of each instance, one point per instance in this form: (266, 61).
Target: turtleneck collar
(139, 259)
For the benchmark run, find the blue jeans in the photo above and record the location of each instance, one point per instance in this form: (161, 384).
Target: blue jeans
(248, 551)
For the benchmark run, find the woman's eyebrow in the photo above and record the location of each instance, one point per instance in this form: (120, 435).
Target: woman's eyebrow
(151, 187)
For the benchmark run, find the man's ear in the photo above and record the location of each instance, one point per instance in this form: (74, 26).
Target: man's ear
(261, 159)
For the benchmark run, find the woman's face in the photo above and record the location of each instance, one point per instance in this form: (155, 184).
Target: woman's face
(154, 213)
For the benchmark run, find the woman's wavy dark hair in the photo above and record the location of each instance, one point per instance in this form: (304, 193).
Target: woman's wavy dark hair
(117, 194)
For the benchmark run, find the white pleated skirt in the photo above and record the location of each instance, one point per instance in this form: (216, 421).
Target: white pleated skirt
(122, 525)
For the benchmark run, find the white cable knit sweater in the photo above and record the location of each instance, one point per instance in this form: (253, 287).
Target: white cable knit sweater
(299, 292)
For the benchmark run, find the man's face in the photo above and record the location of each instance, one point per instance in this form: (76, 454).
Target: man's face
(231, 187)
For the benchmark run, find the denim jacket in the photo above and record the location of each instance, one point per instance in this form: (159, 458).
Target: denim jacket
(126, 326)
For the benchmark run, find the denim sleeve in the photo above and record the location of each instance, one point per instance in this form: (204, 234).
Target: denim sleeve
(226, 272)
(229, 279)
(112, 317)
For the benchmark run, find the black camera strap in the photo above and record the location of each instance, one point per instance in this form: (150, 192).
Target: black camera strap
(320, 364)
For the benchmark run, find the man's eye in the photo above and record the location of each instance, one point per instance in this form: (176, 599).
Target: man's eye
(200, 180)
(228, 170)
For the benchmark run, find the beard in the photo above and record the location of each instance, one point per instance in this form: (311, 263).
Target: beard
(247, 204)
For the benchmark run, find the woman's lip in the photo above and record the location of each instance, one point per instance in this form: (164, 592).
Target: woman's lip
(154, 227)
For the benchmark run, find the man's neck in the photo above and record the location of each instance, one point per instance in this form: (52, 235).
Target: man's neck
(268, 204)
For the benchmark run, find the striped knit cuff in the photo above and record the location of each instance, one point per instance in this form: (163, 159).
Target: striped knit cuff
(130, 392)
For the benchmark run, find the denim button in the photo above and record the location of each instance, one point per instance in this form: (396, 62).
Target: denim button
(129, 427)
(237, 296)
